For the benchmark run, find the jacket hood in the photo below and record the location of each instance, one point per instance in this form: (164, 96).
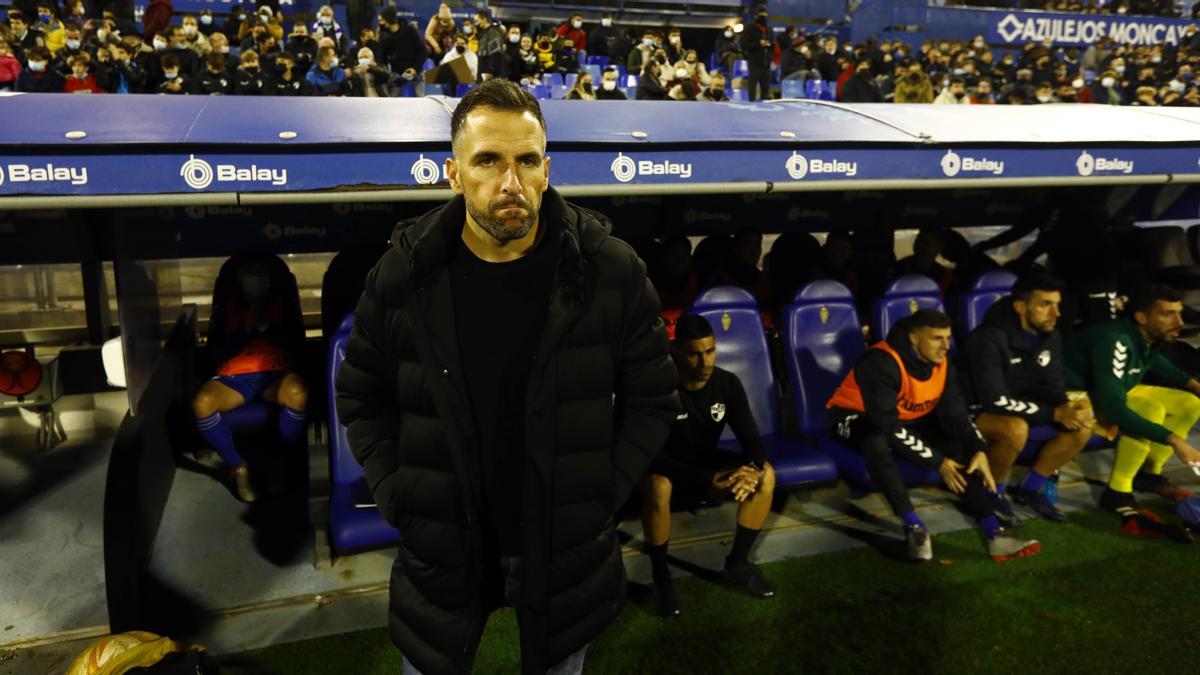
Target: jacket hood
(898, 340)
(430, 239)
(1002, 315)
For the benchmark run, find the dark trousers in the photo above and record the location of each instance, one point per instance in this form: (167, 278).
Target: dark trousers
(760, 79)
(912, 443)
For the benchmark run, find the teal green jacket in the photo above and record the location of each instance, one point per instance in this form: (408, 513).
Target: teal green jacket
(1108, 359)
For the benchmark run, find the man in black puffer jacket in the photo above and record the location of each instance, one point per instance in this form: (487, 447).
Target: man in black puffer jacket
(506, 384)
(1015, 367)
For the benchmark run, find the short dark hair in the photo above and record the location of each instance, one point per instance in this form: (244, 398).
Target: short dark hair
(169, 61)
(1035, 280)
(927, 318)
(499, 94)
(957, 80)
(692, 327)
(1143, 298)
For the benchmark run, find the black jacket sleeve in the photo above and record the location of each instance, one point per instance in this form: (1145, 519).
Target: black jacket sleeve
(741, 420)
(646, 401)
(878, 379)
(986, 364)
(952, 415)
(365, 400)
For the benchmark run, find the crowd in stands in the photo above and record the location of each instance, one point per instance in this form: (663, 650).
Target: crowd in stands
(260, 52)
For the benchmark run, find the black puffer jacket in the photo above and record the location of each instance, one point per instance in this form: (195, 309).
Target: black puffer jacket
(1010, 374)
(601, 399)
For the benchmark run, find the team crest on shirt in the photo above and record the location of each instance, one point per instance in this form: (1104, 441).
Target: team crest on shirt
(1043, 359)
(718, 411)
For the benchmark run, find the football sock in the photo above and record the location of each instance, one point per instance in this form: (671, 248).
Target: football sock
(658, 561)
(291, 425)
(911, 520)
(742, 541)
(1001, 488)
(990, 526)
(218, 436)
(1033, 481)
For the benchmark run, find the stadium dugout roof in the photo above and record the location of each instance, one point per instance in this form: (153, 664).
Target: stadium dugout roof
(152, 150)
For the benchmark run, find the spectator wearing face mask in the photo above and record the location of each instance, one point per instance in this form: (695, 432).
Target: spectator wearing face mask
(25, 37)
(249, 80)
(326, 78)
(715, 91)
(861, 87)
(674, 45)
(368, 40)
(544, 48)
(232, 25)
(368, 79)
(583, 89)
(696, 70)
(220, 46)
(10, 67)
(81, 80)
(326, 26)
(460, 51)
(650, 87)
(286, 80)
(572, 29)
(757, 44)
(38, 77)
(156, 18)
(403, 49)
(206, 24)
(601, 37)
(566, 59)
(1044, 93)
(440, 32)
(492, 42)
(196, 40)
(51, 27)
(727, 48)
(1107, 90)
(983, 93)
(609, 91)
(682, 87)
(303, 47)
(641, 53)
(797, 63)
(955, 93)
(214, 79)
(126, 74)
(468, 29)
(914, 87)
(72, 47)
(174, 80)
(826, 61)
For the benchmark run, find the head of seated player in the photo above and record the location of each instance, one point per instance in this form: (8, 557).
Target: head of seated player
(929, 334)
(1158, 312)
(694, 351)
(1036, 297)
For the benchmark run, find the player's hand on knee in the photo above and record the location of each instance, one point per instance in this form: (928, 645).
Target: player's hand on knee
(951, 475)
(1184, 450)
(979, 464)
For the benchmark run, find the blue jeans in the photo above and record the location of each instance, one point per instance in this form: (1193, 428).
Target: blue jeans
(572, 665)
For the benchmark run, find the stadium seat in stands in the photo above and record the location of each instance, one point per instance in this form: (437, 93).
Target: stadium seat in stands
(354, 521)
(462, 89)
(630, 80)
(987, 289)
(630, 93)
(739, 95)
(1088, 76)
(559, 91)
(741, 68)
(620, 72)
(792, 89)
(601, 62)
(551, 79)
(742, 349)
(823, 340)
(812, 88)
(903, 297)
(429, 65)
(829, 91)
(435, 90)
(569, 80)
(593, 70)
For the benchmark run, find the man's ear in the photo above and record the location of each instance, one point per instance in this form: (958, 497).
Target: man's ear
(452, 176)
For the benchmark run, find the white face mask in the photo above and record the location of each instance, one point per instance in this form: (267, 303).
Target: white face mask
(1077, 83)
(327, 20)
(1043, 98)
(1155, 59)
(224, 49)
(205, 19)
(37, 66)
(159, 44)
(1177, 86)
(577, 24)
(189, 30)
(467, 30)
(366, 61)
(681, 73)
(1120, 70)
(606, 22)
(1107, 82)
(333, 62)
(514, 39)
(675, 40)
(608, 85)
(728, 34)
(72, 44)
(170, 75)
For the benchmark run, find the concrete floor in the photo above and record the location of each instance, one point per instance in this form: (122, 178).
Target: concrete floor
(52, 598)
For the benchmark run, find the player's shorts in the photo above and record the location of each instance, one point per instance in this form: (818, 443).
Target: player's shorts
(693, 487)
(251, 385)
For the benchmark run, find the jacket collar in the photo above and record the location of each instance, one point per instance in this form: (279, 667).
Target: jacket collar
(1003, 316)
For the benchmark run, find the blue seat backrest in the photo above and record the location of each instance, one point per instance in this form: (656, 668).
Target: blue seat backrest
(903, 297)
(792, 89)
(742, 350)
(739, 95)
(987, 289)
(823, 339)
(741, 68)
(343, 468)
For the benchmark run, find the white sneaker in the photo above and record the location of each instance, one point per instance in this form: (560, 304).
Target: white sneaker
(920, 544)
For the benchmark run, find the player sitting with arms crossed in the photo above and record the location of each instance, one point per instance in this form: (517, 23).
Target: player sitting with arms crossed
(691, 468)
(902, 400)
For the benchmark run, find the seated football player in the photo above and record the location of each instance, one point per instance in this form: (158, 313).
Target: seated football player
(1014, 359)
(691, 468)
(1109, 360)
(902, 401)
(254, 336)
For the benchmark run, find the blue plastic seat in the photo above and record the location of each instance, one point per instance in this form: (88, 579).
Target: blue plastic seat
(630, 80)
(987, 289)
(559, 91)
(741, 68)
(903, 297)
(551, 79)
(742, 349)
(812, 88)
(828, 91)
(569, 80)
(823, 340)
(791, 89)
(739, 95)
(630, 93)
(436, 90)
(462, 89)
(593, 70)
(600, 62)
(354, 521)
